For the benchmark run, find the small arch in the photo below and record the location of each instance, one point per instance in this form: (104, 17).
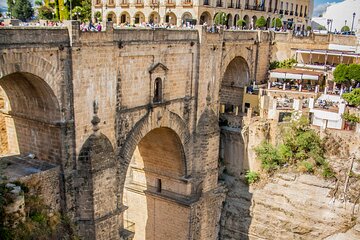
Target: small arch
(139, 18)
(154, 17)
(171, 18)
(111, 17)
(229, 21)
(253, 22)
(97, 16)
(236, 18)
(247, 21)
(157, 90)
(185, 17)
(268, 23)
(205, 17)
(124, 17)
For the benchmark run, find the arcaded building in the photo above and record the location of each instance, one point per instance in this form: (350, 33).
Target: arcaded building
(294, 13)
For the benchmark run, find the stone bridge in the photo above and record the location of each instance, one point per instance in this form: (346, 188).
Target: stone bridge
(131, 116)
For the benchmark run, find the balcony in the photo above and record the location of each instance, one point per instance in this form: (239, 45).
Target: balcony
(296, 14)
(231, 5)
(139, 4)
(154, 4)
(286, 12)
(124, 4)
(110, 4)
(98, 5)
(187, 3)
(281, 11)
(291, 13)
(170, 4)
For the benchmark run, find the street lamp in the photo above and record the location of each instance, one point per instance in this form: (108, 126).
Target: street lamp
(53, 14)
(329, 22)
(352, 24)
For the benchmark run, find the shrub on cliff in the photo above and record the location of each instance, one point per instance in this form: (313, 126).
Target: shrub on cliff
(301, 146)
(353, 97)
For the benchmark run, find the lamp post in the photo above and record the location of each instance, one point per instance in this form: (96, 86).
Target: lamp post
(53, 15)
(328, 23)
(352, 24)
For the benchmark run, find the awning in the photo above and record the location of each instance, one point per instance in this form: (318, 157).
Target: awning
(297, 76)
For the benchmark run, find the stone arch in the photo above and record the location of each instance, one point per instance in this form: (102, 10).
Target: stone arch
(171, 18)
(125, 17)
(146, 124)
(36, 66)
(236, 18)
(268, 22)
(247, 21)
(205, 17)
(185, 17)
(111, 17)
(31, 118)
(229, 21)
(97, 16)
(154, 17)
(233, 82)
(154, 158)
(139, 17)
(253, 21)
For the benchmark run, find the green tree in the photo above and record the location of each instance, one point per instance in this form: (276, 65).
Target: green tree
(261, 22)
(45, 13)
(240, 23)
(353, 97)
(341, 74)
(276, 23)
(345, 29)
(220, 18)
(10, 4)
(77, 13)
(86, 6)
(22, 10)
(353, 72)
(38, 3)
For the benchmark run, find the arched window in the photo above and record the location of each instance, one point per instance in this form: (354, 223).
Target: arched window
(157, 90)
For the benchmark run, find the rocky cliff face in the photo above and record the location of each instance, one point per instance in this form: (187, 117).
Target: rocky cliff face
(288, 206)
(292, 205)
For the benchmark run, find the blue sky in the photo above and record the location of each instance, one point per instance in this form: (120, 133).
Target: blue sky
(320, 6)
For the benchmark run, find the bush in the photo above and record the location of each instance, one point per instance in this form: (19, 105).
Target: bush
(306, 167)
(351, 118)
(220, 18)
(321, 27)
(261, 22)
(308, 28)
(276, 23)
(353, 97)
(240, 23)
(353, 72)
(269, 156)
(345, 29)
(252, 177)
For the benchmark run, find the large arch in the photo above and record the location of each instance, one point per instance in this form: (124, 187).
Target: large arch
(229, 21)
(111, 17)
(31, 114)
(139, 18)
(247, 21)
(186, 16)
(156, 155)
(205, 17)
(253, 22)
(236, 19)
(171, 18)
(125, 17)
(154, 17)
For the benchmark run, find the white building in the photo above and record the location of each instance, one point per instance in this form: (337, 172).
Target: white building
(341, 14)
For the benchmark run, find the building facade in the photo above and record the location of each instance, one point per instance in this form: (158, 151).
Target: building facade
(294, 13)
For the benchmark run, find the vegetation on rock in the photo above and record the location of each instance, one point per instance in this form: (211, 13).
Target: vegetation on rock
(301, 146)
(288, 63)
(252, 177)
